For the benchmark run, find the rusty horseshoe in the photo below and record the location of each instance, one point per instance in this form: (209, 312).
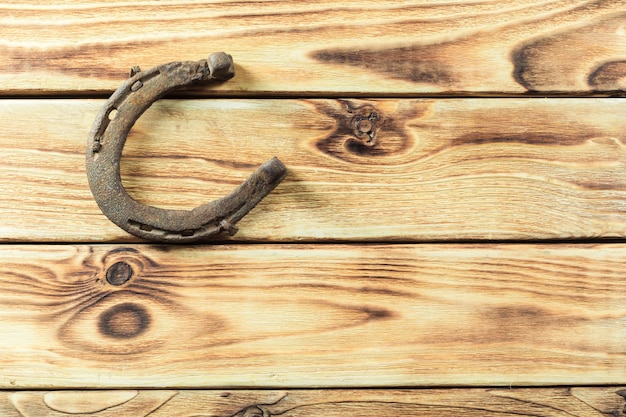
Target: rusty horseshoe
(108, 136)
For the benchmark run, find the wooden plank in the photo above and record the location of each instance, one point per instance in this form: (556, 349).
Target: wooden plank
(274, 316)
(546, 402)
(323, 46)
(450, 169)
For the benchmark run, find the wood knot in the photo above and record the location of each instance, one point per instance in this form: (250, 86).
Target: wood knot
(366, 124)
(121, 266)
(119, 273)
(367, 132)
(124, 321)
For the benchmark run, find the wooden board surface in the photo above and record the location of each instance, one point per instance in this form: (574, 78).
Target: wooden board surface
(545, 402)
(322, 47)
(339, 316)
(311, 316)
(450, 169)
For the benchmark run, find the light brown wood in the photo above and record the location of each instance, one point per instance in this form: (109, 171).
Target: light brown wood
(451, 169)
(312, 316)
(288, 318)
(547, 402)
(322, 47)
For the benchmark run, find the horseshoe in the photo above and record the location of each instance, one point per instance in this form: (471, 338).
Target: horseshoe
(108, 136)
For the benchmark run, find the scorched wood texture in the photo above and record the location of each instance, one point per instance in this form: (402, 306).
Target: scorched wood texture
(451, 227)
(505, 402)
(312, 315)
(454, 169)
(322, 47)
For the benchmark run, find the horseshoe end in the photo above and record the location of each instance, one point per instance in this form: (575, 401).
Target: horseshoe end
(274, 171)
(221, 66)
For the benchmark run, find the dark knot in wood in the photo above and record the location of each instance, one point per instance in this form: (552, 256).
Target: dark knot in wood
(365, 124)
(119, 273)
(124, 321)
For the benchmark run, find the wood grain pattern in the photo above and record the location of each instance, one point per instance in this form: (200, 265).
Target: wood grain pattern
(143, 330)
(312, 316)
(450, 169)
(322, 47)
(544, 402)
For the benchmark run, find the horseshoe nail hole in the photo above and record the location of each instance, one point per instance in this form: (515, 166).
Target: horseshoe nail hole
(136, 86)
(189, 232)
(112, 114)
(119, 273)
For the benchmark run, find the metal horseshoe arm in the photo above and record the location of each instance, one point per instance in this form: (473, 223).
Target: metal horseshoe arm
(107, 139)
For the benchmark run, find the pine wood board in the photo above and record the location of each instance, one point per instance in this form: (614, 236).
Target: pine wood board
(322, 47)
(543, 402)
(440, 169)
(305, 316)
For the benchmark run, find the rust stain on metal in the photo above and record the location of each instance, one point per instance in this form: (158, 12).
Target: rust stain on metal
(107, 139)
